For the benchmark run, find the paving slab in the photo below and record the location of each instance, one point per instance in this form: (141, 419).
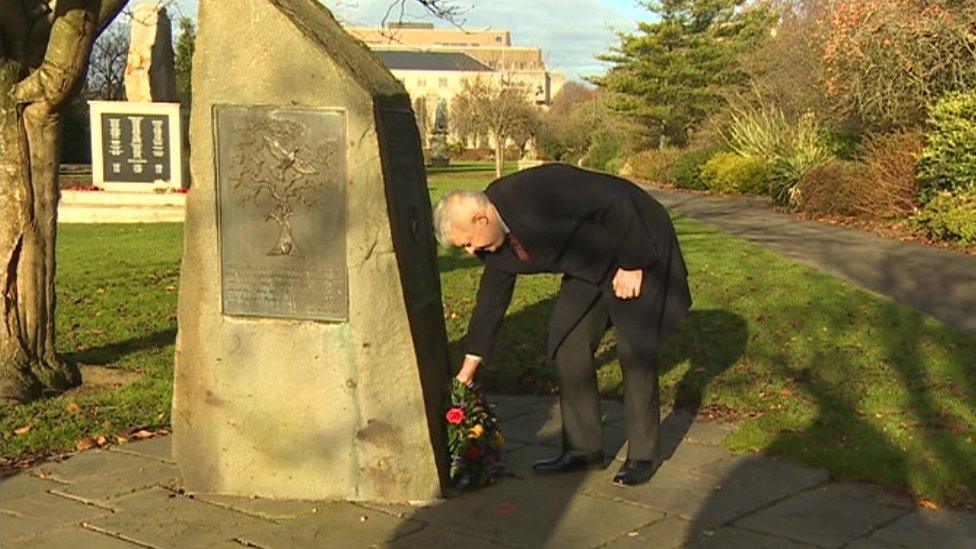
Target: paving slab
(270, 509)
(35, 514)
(430, 537)
(23, 485)
(821, 517)
(75, 537)
(519, 464)
(512, 406)
(160, 448)
(870, 492)
(532, 514)
(925, 528)
(160, 518)
(737, 538)
(762, 470)
(709, 501)
(87, 464)
(126, 479)
(670, 531)
(333, 525)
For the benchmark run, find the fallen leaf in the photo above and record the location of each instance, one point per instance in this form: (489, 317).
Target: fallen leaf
(363, 518)
(701, 370)
(142, 433)
(926, 504)
(23, 430)
(958, 391)
(786, 391)
(84, 444)
(73, 408)
(101, 441)
(121, 439)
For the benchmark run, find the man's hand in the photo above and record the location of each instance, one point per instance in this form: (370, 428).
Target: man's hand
(468, 368)
(627, 284)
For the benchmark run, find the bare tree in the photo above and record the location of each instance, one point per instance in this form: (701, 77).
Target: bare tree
(497, 107)
(106, 70)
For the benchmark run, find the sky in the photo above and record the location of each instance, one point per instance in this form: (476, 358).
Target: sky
(569, 32)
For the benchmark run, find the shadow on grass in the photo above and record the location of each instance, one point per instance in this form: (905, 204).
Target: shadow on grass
(907, 425)
(113, 352)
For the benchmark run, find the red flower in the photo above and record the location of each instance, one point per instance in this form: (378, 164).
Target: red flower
(472, 452)
(455, 416)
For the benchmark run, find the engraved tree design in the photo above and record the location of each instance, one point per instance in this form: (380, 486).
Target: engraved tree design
(274, 159)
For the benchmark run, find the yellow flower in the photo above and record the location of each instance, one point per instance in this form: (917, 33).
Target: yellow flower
(476, 431)
(499, 439)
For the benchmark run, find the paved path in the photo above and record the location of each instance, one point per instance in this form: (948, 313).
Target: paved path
(703, 496)
(938, 282)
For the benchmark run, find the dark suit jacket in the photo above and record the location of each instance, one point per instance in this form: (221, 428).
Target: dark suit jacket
(583, 224)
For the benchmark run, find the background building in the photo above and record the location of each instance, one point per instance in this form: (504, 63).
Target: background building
(433, 63)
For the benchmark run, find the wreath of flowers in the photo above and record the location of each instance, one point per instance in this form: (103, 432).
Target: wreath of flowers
(474, 438)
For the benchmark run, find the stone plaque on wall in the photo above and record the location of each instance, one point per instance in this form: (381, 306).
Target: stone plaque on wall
(136, 146)
(281, 177)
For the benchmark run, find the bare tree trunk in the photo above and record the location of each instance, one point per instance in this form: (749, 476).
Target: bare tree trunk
(39, 76)
(499, 155)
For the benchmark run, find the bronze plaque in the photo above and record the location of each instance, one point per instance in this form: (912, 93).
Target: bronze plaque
(281, 178)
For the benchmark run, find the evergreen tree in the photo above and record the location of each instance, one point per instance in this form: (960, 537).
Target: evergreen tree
(671, 74)
(184, 59)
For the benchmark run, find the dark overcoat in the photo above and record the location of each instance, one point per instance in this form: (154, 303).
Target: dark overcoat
(585, 225)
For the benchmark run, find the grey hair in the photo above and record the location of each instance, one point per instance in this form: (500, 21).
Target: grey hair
(446, 211)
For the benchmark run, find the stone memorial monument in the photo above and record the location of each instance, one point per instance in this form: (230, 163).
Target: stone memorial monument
(438, 138)
(150, 73)
(311, 359)
(136, 146)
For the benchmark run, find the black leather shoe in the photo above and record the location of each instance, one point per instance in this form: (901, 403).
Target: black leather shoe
(569, 461)
(635, 471)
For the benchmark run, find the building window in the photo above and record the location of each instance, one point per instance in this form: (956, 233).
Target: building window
(422, 82)
(442, 82)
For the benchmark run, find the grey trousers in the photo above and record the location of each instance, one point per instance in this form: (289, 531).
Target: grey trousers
(579, 399)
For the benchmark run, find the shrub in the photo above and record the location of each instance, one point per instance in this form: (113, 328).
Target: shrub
(950, 217)
(948, 162)
(890, 186)
(731, 173)
(685, 171)
(653, 164)
(884, 60)
(791, 148)
(833, 188)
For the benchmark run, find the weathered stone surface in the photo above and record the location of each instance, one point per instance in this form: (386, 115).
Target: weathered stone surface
(123, 480)
(30, 516)
(922, 528)
(265, 508)
(821, 517)
(160, 518)
(160, 448)
(150, 70)
(24, 485)
(85, 465)
(75, 537)
(430, 536)
(736, 538)
(670, 531)
(310, 409)
(335, 525)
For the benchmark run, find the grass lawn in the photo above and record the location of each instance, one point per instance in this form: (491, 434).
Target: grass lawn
(811, 367)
